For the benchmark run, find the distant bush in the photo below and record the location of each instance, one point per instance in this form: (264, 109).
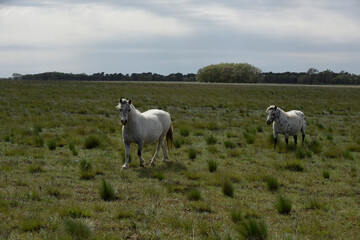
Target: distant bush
(283, 205)
(107, 191)
(229, 73)
(92, 142)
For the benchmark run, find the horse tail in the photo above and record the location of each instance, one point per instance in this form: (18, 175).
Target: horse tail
(169, 138)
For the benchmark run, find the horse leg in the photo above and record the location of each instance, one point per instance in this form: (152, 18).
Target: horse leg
(287, 139)
(164, 151)
(303, 135)
(157, 150)
(139, 155)
(275, 140)
(295, 139)
(127, 155)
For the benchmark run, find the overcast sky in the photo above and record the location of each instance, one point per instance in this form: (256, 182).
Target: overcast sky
(169, 36)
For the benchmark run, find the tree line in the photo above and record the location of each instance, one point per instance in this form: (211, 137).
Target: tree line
(220, 73)
(146, 77)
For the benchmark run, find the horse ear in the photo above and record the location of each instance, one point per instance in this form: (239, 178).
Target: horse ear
(130, 101)
(275, 108)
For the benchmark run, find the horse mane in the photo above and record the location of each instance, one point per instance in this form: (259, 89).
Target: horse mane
(270, 108)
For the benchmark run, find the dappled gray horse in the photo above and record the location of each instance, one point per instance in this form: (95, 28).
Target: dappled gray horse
(287, 123)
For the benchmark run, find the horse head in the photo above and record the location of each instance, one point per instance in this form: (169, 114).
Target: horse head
(125, 108)
(271, 114)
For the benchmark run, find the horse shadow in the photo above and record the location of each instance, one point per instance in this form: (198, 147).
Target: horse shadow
(147, 172)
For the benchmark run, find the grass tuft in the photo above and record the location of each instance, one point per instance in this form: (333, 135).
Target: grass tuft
(192, 153)
(36, 169)
(78, 230)
(158, 175)
(227, 188)
(236, 215)
(92, 141)
(212, 165)
(107, 192)
(86, 170)
(184, 132)
(73, 149)
(272, 183)
(211, 140)
(52, 144)
(253, 229)
(249, 137)
(38, 141)
(194, 195)
(326, 174)
(283, 205)
(229, 145)
(293, 165)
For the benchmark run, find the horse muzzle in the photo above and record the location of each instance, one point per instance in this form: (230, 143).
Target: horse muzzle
(123, 121)
(268, 122)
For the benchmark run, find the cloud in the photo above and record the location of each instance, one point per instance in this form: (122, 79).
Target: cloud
(66, 24)
(304, 21)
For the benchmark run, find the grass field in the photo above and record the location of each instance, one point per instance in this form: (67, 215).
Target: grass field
(61, 155)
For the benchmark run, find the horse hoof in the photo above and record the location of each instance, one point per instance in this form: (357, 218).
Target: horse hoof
(165, 160)
(125, 167)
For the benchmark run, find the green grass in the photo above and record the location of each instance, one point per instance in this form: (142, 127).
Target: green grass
(194, 195)
(253, 229)
(92, 142)
(211, 140)
(42, 189)
(227, 187)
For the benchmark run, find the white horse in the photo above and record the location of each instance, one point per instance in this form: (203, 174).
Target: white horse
(287, 123)
(143, 128)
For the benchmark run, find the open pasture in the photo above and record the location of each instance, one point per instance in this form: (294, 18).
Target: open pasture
(61, 154)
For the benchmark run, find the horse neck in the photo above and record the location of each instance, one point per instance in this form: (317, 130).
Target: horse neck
(281, 119)
(133, 117)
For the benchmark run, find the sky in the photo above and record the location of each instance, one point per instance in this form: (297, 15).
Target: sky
(171, 36)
